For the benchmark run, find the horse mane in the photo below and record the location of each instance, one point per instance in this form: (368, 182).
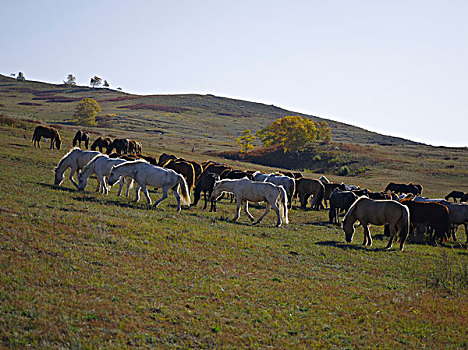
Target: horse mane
(65, 157)
(352, 208)
(131, 162)
(92, 161)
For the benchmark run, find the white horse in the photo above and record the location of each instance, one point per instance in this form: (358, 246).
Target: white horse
(101, 165)
(146, 174)
(258, 176)
(377, 212)
(76, 159)
(246, 190)
(288, 183)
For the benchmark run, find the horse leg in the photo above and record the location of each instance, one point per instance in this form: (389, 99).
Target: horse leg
(392, 236)
(239, 205)
(246, 209)
(164, 196)
(367, 235)
(145, 191)
(267, 210)
(176, 194)
(278, 215)
(129, 182)
(137, 193)
(72, 172)
(121, 184)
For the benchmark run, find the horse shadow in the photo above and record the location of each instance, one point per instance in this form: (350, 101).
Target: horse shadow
(55, 187)
(19, 145)
(349, 246)
(105, 201)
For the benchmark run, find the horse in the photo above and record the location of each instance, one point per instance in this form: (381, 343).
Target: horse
(323, 179)
(101, 142)
(120, 145)
(149, 159)
(216, 168)
(431, 214)
(329, 187)
(464, 198)
(455, 195)
(379, 195)
(380, 212)
(163, 158)
(309, 187)
(46, 132)
(101, 165)
(206, 184)
(81, 136)
(134, 147)
(246, 190)
(185, 169)
(259, 176)
(146, 174)
(197, 168)
(403, 188)
(288, 183)
(76, 159)
(340, 200)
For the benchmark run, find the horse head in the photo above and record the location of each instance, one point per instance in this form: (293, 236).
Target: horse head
(113, 177)
(58, 141)
(82, 182)
(217, 192)
(348, 228)
(59, 176)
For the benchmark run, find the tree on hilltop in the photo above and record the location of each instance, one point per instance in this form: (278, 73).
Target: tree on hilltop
(105, 84)
(95, 81)
(20, 77)
(86, 111)
(71, 80)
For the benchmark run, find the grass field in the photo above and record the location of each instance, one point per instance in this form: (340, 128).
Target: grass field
(83, 270)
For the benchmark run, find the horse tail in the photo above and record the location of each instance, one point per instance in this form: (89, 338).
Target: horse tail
(283, 204)
(190, 176)
(405, 224)
(184, 192)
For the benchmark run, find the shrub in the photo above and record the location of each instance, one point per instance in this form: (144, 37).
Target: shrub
(343, 171)
(317, 158)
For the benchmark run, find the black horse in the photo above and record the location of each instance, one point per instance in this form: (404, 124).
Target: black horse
(101, 143)
(120, 145)
(81, 136)
(455, 195)
(206, 184)
(403, 188)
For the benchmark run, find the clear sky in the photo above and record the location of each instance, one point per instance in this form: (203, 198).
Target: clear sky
(396, 67)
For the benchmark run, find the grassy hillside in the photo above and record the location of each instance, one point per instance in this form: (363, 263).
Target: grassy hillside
(84, 270)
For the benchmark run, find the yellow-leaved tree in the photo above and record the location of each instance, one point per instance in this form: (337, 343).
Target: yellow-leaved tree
(245, 141)
(86, 111)
(292, 133)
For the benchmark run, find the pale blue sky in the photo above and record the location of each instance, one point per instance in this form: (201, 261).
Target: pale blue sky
(395, 67)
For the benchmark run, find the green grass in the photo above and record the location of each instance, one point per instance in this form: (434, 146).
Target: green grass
(83, 270)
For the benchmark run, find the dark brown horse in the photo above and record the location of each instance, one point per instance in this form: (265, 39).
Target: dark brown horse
(81, 136)
(149, 159)
(329, 188)
(46, 132)
(464, 198)
(101, 143)
(455, 195)
(205, 184)
(340, 200)
(432, 214)
(134, 147)
(309, 187)
(120, 145)
(216, 168)
(403, 188)
(163, 158)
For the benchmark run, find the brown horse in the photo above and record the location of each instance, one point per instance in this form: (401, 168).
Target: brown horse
(309, 187)
(134, 146)
(403, 188)
(197, 167)
(431, 214)
(46, 132)
(120, 145)
(455, 195)
(81, 136)
(205, 184)
(329, 188)
(163, 158)
(185, 169)
(100, 143)
(216, 168)
(149, 159)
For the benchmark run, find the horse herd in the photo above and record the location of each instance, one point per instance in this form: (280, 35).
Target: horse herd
(400, 207)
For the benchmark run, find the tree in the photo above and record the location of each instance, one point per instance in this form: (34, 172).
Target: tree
(95, 81)
(71, 80)
(292, 133)
(86, 111)
(245, 141)
(105, 84)
(20, 77)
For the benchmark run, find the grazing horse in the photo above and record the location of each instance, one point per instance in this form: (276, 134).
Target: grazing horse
(101, 165)
(431, 214)
(46, 132)
(75, 159)
(288, 183)
(100, 143)
(120, 145)
(340, 200)
(185, 169)
(149, 159)
(455, 195)
(246, 190)
(81, 136)
(380, 212)
(206, 184)
(403, 188)
(146, 174)
(309, 187)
